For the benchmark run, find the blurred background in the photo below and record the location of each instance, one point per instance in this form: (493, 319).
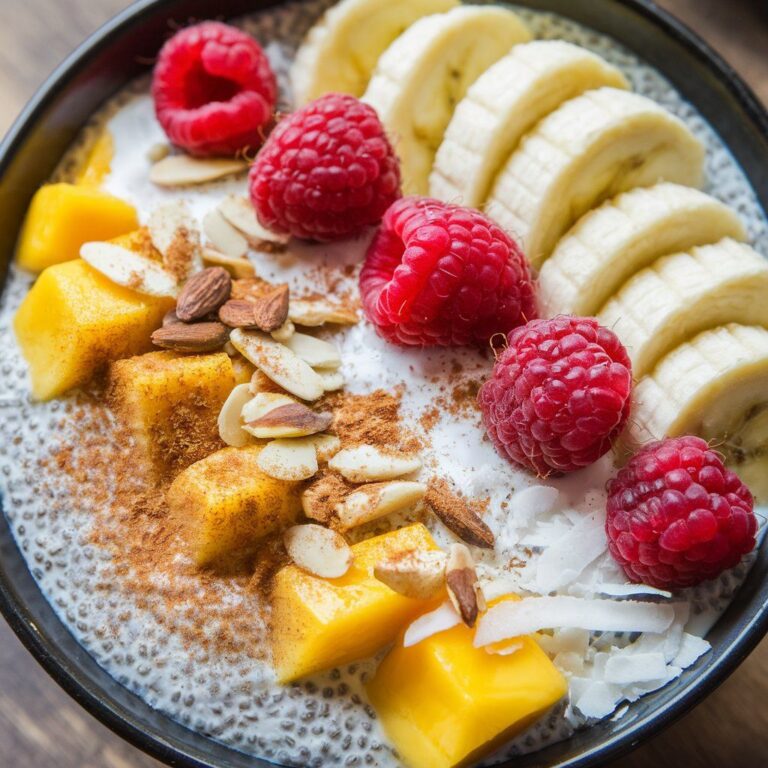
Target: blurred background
(41, 727)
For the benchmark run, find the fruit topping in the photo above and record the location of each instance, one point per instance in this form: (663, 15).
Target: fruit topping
(214, 90)
(559, 394)
(326, 172)
(677, 516)
(439, 274)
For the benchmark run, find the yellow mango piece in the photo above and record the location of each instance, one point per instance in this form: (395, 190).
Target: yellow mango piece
(98, 162)
(244, 369)
(61, 217)
(445, 703)
(318, 624)
(170, 403)
(74, 321)
(227, 505)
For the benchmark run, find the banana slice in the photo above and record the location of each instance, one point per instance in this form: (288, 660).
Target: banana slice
(714, 386)
(588, 150)
(681, 295)
(341, 50)
(504, 103)
(422, 76)
(608, 245)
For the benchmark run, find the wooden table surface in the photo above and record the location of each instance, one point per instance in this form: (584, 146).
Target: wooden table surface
(40, 727)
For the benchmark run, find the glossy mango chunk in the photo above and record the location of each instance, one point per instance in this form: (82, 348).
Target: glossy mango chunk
(98, 162)
(61, 217)
(227, 505)
(170, 403)
(74, 321)
(445, 703)
(318, 624)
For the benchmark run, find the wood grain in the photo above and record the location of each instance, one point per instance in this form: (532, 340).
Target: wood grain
(40, 727)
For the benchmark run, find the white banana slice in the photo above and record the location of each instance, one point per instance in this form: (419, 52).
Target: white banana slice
(610, 244)
(714, 386)
(588, 150)
(503, 104)
(341, 50)
(427, 70)
(686, 293)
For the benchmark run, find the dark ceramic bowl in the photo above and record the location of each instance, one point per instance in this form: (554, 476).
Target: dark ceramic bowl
(29, 153)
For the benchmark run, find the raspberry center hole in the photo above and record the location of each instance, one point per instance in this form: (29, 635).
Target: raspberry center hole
(201, 88)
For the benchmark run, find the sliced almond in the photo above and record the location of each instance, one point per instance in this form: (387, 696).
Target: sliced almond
(192, 338)
(366, 463)
(183, 170)
(457, 515)
(332, 380)
(285, 368)
(158, 152)
(417, 573)
(291, 459)
(239, 268)
(263, 402)
(238, 211)
(316, 352)
(462, 584)
(268, 416)
(370, 502)
(318, 550)
(203, 294)
(223, 236)
(327, 446)
(230, 422)
(321, 496)
(284, 332)
(126, 268)
(260, 382)
(174, 233)
(318, 311)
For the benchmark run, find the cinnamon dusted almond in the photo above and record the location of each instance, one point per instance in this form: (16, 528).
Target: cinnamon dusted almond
(318, 550)
(316, 311)
(419, 574)
(194, 337)
(267, 312)
(375, 500)
(203, 293)
(462, 584)
(457, 515)
(284, 419)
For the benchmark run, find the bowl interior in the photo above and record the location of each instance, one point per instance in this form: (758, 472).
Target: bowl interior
(28, 155)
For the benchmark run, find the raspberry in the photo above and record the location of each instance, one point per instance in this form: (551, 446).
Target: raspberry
(214, 90)
(439, 274)
(677, 516)
(326, 172)
(558, 395)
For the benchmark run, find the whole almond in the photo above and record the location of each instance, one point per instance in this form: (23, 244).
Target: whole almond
(272, 309)
(195, 337)
(171, 318)
(238, 313)
(462, 584)
(457, 515)
(203, 293)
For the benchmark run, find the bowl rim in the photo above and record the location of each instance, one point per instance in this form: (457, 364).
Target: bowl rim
(66, 672)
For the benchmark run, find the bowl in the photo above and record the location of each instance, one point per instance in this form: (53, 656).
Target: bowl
(118, 52)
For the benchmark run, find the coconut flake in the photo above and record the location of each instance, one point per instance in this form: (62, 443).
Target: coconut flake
(691, 649)
(630, 668)
(533, 503)
(597, 700)
(513, 618)
(442, 618)
(565, 560)
(624, 590)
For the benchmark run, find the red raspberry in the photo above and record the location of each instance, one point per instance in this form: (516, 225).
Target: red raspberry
(326, 172)
(558, 395)
(677, 516)
(440, 274)
(214, 90)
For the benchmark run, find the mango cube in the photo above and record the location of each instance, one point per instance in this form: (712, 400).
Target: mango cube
(171, 403)
(74, 321)
(98, 162)
(61, 217)
(445, 703)
(227, 505)
(318, 624)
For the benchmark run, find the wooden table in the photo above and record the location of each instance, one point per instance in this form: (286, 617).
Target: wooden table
(40, 727)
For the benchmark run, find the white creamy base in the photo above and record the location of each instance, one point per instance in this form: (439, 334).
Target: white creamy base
(560, 521)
